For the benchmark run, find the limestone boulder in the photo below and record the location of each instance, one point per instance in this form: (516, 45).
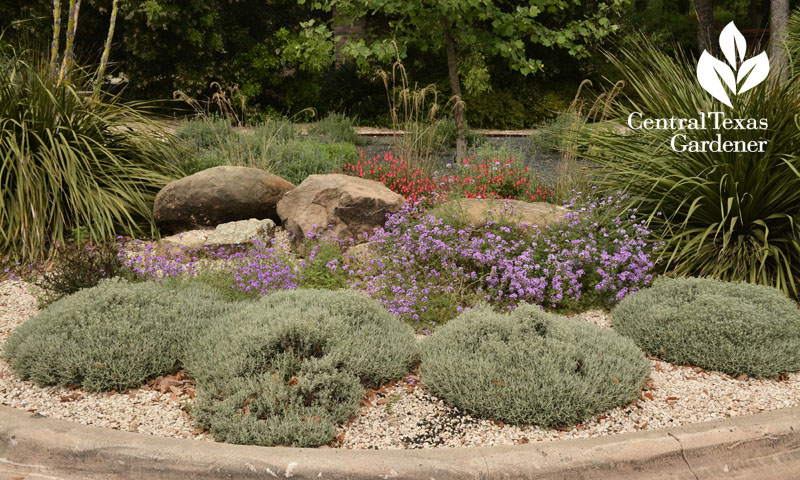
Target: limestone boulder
(476, 212)
(347, 207)
(218, 195)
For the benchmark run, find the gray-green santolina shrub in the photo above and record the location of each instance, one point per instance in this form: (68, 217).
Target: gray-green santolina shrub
(531, 367)
(736, 328)
(112, 336)
(290, 367)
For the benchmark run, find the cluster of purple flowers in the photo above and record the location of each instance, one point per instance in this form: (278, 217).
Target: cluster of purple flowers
(257, 268)
(422, 257)
(424, 263)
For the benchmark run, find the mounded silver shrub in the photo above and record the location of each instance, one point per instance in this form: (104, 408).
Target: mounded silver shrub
(112, 336)
(735, 328)
(531, 367)
(290, 367)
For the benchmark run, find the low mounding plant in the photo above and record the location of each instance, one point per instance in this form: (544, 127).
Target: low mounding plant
(68, 161)
(531, 367)
(727, 215)
(288, 369)
(275, 145)
(113, 336)
(736, 328)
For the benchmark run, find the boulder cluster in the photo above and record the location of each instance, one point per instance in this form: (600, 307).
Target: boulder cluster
(234, 205)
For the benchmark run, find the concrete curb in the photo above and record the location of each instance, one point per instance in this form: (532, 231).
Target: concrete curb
(762, 446)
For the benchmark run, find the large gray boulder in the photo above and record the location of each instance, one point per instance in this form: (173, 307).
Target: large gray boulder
(347, 207)
(476, 212)
(218, 195)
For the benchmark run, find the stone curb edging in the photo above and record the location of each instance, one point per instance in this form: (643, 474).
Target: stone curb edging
(761, 446)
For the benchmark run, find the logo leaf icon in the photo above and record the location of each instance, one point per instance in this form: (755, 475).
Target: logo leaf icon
(714, 75)
(710, 71)
(731, 40)
(753, 72)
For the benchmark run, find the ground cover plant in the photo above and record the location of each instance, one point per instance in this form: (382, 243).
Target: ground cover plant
(289, 368)
(113, 336)
(427, 269)
(729, 215)
(736, 328)
(531, 367)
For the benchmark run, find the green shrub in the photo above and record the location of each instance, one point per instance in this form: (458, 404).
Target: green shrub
(736, 328)
(550, 137)
(68, 161)
(531, 367)
(337, 127)
(517, 107)
(113, 336)
(727, 215)
(288, 369)
(275, 145)
(487, 151)
(212, 141)
(496, 109)
(203, 133)
(77, 265)
(297, 159)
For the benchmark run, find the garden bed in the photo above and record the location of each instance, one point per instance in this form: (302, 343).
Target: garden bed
(403, 415)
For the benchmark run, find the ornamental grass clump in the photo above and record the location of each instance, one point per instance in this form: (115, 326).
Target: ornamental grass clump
(531, 367)
(728, 215)
(736, 328)
(289, 368)
(68, 161)
(114, 336)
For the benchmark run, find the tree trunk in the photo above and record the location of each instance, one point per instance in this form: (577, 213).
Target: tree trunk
(754, 14)
(56, 33)
(705, 26)
(101, 71)
(455, 86)
(69, 47)
(778, 28)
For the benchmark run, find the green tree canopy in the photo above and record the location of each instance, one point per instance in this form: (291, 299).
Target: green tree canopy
(470, 31)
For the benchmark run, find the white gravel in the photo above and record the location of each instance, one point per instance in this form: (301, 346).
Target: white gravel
(404, 415)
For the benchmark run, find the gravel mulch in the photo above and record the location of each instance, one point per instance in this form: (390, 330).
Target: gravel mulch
(403, 414)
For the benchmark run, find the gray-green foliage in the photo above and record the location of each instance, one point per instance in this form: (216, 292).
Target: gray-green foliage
(550, 137)
(531, 367)
(113, 336)
(289, 368)
(338, 127)
(275, 145)
(736, 328)
(297, 159)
